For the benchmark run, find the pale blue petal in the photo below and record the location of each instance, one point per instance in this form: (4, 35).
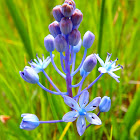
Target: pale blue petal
(108, 58)
(102, 70)
(114, 76)
(84, 98)
(70, 116)
(71, 103)
(47, 61)
(81, 125)
(93, 119)
(116, 69)
(100, 60)
(93, 104)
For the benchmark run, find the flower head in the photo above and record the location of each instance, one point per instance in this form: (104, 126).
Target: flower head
(109, 66)
(39, 64)
(29, 75)
(81, 111)
(29, 122)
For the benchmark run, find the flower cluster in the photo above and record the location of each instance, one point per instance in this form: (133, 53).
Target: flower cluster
(66, 39)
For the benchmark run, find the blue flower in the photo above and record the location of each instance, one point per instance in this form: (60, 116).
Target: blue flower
(105, 104)
(109, 66)
(40, 64)
(29, 75)
(29, 122)
(81, 111)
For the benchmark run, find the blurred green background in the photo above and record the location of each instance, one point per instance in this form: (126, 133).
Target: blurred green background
(23, 26)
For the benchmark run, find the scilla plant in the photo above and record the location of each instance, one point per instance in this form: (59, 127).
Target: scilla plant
(66, 39)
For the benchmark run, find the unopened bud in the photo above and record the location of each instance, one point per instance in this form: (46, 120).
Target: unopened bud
(89, 63)
(60, 43)
(65, 25)
(29, 75)
(49, 43)
(54, 28)
(88, 39)
(105, 104)
(57, 14)
(74, 37)
(77, 17)
(67, 10)
(70, 2)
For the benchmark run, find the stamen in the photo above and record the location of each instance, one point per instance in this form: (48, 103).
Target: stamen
(120, 66)
(109, 54)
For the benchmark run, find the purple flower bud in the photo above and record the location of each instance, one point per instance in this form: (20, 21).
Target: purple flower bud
(74, 37)
(105, 104)
(60, 43)
(67, 10)
(77, 17)
(76, 48)
(88, 39)
(49, 43)
(54, 28)
(57, 14)
(29, 75)
(89, 63)
(65, 25)
(70, 2)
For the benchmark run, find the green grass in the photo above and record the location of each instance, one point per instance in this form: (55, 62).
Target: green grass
(24, 24)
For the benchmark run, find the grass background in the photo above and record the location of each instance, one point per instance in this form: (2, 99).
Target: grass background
(23, 26)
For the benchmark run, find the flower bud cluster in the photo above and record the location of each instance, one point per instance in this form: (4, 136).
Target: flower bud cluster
(68, 19)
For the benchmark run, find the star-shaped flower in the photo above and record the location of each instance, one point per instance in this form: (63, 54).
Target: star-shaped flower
(109, 66)
(40, 64)
(81, 111)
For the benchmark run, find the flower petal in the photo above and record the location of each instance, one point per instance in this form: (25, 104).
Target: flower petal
(114, 76)
(102, 70)
(100, 60)
(93, 104)
(46, 62)
(116, 69)
(70, 116)
(81, 125)
(71, 103)
(93, 119)
(108, 58)
(84, 98)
